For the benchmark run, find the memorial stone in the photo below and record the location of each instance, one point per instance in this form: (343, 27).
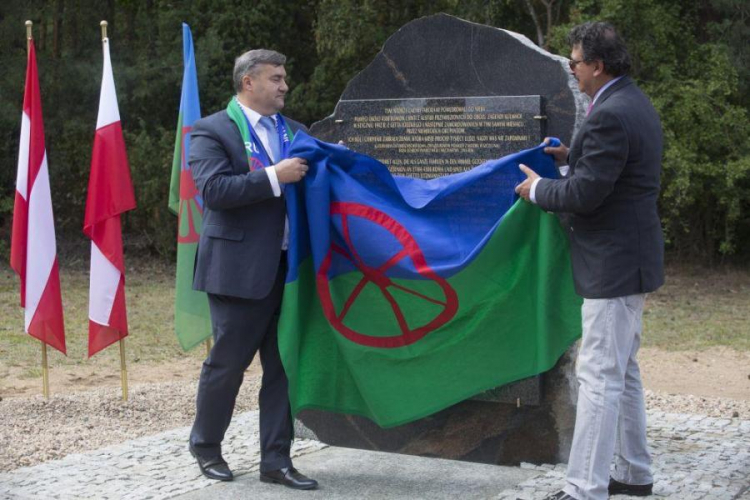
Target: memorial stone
(442, 96)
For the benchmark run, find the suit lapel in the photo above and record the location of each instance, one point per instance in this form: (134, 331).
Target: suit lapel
(575, 145)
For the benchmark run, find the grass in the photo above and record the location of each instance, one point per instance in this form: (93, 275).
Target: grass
(696, 309)
(699, 308)
(150, 303)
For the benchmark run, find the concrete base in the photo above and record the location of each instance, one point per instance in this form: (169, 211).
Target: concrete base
(345, 473)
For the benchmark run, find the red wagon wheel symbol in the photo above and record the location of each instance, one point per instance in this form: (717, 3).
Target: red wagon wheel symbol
(256, 164)
(189, 208)
(378, 277)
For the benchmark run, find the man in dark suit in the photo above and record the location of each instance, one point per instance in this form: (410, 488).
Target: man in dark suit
(240, 165)
(617, 252)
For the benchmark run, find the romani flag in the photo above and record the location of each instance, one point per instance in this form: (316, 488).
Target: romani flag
(110, 194)
(405, 296)
(33, 251)
(192, 320)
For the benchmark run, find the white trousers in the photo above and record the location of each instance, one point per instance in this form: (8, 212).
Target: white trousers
(611, 415)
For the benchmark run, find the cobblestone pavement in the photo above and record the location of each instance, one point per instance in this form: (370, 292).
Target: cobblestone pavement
(153, 467)
(695, 457)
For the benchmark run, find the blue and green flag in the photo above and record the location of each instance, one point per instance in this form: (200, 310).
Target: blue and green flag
(405, 296)
(192, 320)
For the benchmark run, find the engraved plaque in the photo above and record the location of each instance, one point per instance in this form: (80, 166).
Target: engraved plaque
(432, 137)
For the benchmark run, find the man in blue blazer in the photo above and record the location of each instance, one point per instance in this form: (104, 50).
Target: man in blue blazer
(239, 158)
(617, 251)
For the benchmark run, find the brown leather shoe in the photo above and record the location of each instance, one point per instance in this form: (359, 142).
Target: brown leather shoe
(212, 467)
(634, 490)
(289, 477)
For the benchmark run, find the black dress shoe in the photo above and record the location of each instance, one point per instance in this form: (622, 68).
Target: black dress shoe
(560, 495)
(214, 467)
(289, 476)
(634, 490)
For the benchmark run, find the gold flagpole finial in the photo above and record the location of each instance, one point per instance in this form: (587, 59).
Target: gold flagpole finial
(103, 24)
(29, 24)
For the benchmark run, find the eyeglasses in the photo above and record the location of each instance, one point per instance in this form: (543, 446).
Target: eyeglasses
(573, 63)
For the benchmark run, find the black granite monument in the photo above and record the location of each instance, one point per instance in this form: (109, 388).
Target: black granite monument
(442, 96)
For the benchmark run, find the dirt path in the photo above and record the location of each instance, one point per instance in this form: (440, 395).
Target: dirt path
(716, 372)
(65, 380)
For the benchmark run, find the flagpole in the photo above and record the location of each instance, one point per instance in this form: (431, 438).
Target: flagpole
(123, 371)
(123, 365)
(45, 372)
(45, 366)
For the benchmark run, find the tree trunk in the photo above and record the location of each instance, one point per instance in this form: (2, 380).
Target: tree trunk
(110, 12)
(548, 4)
(42, 32)
(539, 33)
(73, 26)
(57, 29)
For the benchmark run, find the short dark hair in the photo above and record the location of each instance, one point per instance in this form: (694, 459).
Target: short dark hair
(599, 41)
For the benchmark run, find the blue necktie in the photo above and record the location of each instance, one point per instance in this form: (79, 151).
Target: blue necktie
(273, 138)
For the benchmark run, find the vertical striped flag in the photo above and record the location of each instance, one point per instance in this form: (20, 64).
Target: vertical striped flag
(110, 194)
(33, 252)
(191, 316)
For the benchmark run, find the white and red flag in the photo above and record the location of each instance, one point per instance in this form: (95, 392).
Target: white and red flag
(110, 194)
(33, 251)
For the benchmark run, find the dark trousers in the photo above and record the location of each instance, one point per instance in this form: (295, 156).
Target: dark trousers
(242, 327)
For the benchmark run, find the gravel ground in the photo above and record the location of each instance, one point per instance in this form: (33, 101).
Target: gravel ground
(34, 430)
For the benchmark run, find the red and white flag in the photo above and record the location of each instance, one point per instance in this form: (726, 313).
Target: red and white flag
(110, 194)
(33, 251)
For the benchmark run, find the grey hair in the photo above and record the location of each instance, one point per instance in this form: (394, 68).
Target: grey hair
(247, 63)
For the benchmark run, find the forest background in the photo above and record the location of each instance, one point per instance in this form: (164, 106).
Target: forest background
(691, 57)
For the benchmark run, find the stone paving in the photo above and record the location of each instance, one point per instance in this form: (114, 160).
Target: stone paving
(152, 467)
(695, 457)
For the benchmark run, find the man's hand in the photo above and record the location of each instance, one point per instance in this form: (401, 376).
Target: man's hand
(560, 152)
(524, 189)
(291, 170)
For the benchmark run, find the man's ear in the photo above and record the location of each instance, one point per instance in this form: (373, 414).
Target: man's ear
(247, 82)
(598, 68)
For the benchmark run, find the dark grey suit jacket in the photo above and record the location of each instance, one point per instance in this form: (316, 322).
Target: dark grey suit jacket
(243, 222)
(616, 240)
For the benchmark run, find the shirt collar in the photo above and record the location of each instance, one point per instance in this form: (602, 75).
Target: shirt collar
(253, 116)
(605, 87)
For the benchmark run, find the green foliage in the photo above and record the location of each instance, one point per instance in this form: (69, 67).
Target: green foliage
(706, 176)
(694, 82)
(691, 58)
(728, 23)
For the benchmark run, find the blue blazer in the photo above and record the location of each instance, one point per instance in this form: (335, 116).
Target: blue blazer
(243, 222)
(611, 193)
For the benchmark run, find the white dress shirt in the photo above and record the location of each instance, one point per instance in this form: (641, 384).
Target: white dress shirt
(254, 118)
